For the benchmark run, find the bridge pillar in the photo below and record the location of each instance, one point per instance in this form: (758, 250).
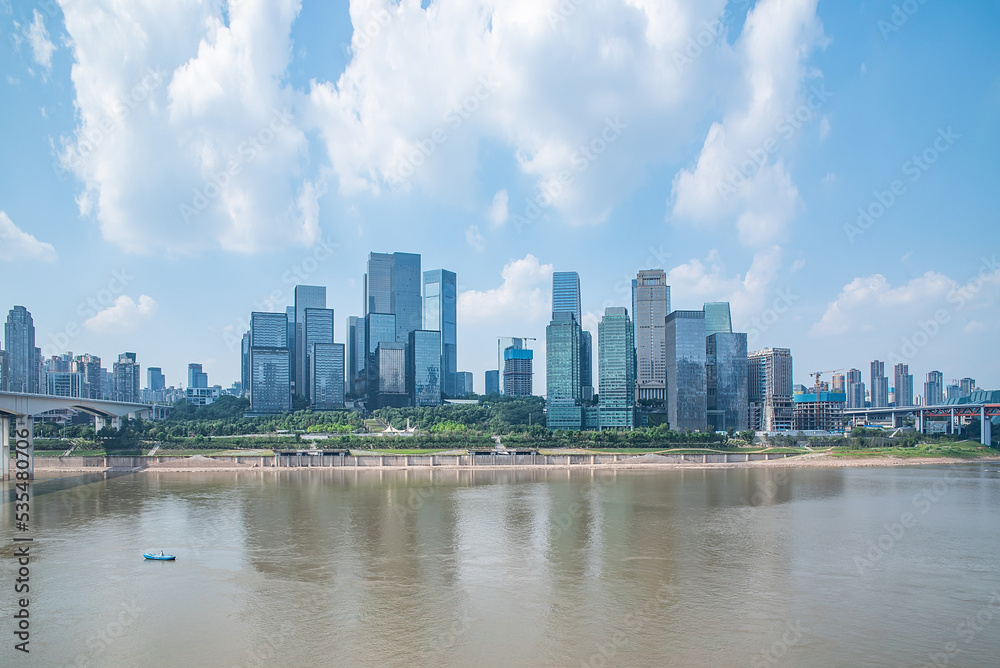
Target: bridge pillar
(25, 423)
(920, 421)
(98, 423)
(116, 423)
(951, 423)
(5, 447)
(985, 428)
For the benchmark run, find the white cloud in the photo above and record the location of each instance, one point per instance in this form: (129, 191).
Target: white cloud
(123, 314)
(16, 244)
(474, 238)
(498, 210)
(38, 37)
(523, 297)
(824, 127)
(798, 265)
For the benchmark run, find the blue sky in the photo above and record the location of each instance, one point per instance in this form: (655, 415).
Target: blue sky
(165, 172)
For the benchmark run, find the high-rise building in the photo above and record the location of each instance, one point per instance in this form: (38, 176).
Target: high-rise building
(616, 369)
(503, 343)
(726, 372)
(518, 371)
(687, 384)
(22, 358)
(586, 365)
(952, 392)
(934, 389)
(823, 412)
(4, 371)
(423, 367)
(318, 327)
(270, 372)
(441, 315)
(492, 382)
(245, 363)
(306, 297)
(904, 385)
(839, 383)
(967, 386)
(718, 319)
(378, 283)
(566, 294)
(126, 379)
(392, 285)
(326, 373)
(379, 328)
(879, 385)
(464, 382)
(855, 389)
(356, 356)
(650, 307)
(390, 383)
(155, 379)
(770, 388)
(290, 316)
(562, 365)
(196, 377)
(64, 384)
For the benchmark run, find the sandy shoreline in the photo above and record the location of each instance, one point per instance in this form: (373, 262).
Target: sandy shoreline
(812, 460)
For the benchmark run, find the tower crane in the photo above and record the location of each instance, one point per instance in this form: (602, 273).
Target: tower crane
(816, 375)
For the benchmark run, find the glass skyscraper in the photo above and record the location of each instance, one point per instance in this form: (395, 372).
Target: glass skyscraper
(196, 377)
(326, 375)
(356, 356)
(318, 327)
(726, 373)
(23, 359)
(390, 383)
(270, 373)
(586, 365)
(423, 368)
(379, 328)
(879, 385)
(440, 315)
(717, 318)
(492, 382)
(687, 401)
(306, 296)
(650, 306)
(566, 294)
(562, 366)
(933, 389)
(616, 366)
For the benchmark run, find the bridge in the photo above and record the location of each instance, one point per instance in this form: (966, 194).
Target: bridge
(24, 407)
(985, 408)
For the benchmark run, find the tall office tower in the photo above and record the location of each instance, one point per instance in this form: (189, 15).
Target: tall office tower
(19, 343)
(440, 315)
(318, 328)
(503, 343)
(379, 328)
(306, 296)
(562, 366)
(126, 379)
(64, 384)
(392, 285)
(840, 383)
(492, 382)
(770, 389)
(464, 383)
(904, 385)
(879, 385)
(517, 371)
(726, 372)
(587, 365)
(107, 384)
(855, 389)
(390, 382)
(196, 377)
(566, 294)
(423, 368)
(687, 385)
(155, 379)
(245, 364)
(651, 305)
(356, 354)
(270, 372)
(952, 392)
(326, 374)
(616, 366)
(718, 319)
(4, 371)
(967, 386)
(290, 315)
(934, 389)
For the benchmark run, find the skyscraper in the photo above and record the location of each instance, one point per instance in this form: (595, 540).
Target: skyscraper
(651, 304)
(517, 371)
(390, 383)
(464, 382)
(967, 386)
(154, 378)
(726, 371)
(89, 366)
(492, 382)
(270, 382)
(326, 374)
(934, 389)
(855, 389)
(196, 377)
(378, 283)
(586, 365)
(379, 328)
(19, 344)
(879, 385)
(839, 383)
(903, 385)
(687, 400)
(503, 343)
(616, 366)
(717, 318)
(440, 315)
(306, 297)
(562, 365)
(406, 299)
(126, 379)
(423, 367)
(566, 294)
(356, 353)
(245, 363)
(770, 389)
(318, 327)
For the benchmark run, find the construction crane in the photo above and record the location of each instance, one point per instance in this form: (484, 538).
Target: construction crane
(816, 375)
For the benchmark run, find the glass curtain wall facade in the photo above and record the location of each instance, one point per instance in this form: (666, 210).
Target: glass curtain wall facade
(616, 368)
(566, 294)
(379, 328)
(586, 365)
(687, 400)
(306, 297)
(650, 307)
(726, 372)
(270, 367)
(423, 373)
(440, 315)
(718, 319)
(492, 382)
(326, 375)
(356, 353)
(390, 360)
(318, 327)
(19, 344)
(562, 366)
(406, 300)
(517, 371)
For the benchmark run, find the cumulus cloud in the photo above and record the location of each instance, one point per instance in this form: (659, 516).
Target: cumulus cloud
(474, 238)
(498, 210)
(42, 47)
(524, 296)
(16, 244)
(123, 314)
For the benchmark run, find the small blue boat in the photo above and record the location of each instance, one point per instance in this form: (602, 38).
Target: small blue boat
(159, 557)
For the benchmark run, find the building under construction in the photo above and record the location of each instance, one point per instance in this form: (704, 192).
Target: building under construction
(827, 414)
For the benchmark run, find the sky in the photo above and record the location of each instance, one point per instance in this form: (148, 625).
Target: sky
(829, 168)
